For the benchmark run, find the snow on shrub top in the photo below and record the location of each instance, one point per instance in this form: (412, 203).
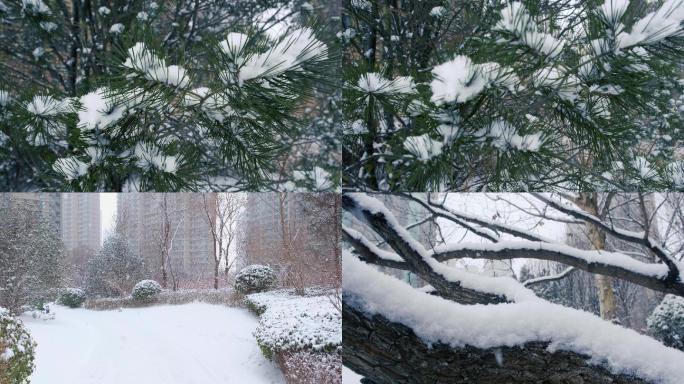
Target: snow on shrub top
(667, 321)
(436, 320)
(72, 297)
(255, 278)
(146, 290)
(290, 322)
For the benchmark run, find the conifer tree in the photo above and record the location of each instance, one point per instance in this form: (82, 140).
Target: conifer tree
(166, 96)
(513, 95)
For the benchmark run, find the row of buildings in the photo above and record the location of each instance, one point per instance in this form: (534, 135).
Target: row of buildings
(142, 218)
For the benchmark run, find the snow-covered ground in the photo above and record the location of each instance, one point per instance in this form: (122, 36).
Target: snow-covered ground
(179, 344)
(350, 377)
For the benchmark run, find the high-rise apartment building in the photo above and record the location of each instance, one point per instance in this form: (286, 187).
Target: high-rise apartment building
(141, 217)
(80, 218)
(288, 230)
(47, 203)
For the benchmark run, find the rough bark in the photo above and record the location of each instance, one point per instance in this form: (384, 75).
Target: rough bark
(390, 353)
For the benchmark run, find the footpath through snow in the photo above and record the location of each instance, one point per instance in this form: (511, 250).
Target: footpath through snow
(173, 344)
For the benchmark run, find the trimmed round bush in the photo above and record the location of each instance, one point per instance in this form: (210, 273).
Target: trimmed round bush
(72, 297)
(146, 290)
(255, 278)
(17, 350)
(666, 322)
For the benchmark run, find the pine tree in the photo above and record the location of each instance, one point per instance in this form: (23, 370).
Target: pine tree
(160, 97)
(502, 95)
(115, 269)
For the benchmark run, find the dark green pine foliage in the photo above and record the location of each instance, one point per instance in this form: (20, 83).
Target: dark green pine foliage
(166, 96)
(498, 95)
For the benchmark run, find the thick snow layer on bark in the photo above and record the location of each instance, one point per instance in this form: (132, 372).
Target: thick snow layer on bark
(291, 322)
(435, 320)
(181, 344)
(609, 258)
(502, 286)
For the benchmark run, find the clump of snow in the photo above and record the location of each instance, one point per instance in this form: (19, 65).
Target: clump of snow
(516, 20)
(375, 83)
(438, 11)
(612, 10)
(4, 98)
(117, 28)
(566, 86)
(48, 26)
(234, 44)
(35, 7)
(460, 80)
(45, 105)
(97, 112)
(423, 147)
(38, 53)
(660, 24)
(70, 167)
(150, 156)
(436, 320)
(506, 137)
(141, 59)
(104, 10)
(361, 4)
(456, 80)
(292, 323)
(289, 54)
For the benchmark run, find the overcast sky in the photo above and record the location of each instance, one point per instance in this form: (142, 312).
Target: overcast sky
(107, 213)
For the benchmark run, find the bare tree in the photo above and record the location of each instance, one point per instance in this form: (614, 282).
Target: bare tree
(223, 212)
(167, 233)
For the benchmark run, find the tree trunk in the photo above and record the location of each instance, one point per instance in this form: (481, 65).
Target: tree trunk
(606, 295)
(390, 353)
(216, 275)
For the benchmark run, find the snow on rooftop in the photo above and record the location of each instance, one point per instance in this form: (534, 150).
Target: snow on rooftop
(436, 320)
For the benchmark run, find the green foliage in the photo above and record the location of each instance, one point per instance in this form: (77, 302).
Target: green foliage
(255, 278)
(17, 350)
(114, 270)
(33, 259)
(255, 307)
(216, 106)
(521, 105)
(266, 351)
(146, 291)
(667, 321)
(72, 297)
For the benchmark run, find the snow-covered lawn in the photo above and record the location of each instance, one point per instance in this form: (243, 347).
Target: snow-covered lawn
(173, 344)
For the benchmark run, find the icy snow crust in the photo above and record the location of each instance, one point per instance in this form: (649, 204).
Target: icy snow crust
(176, 344)
(436, 320)
(291, 322)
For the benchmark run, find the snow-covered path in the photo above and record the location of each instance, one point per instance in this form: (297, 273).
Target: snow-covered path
(181, 344)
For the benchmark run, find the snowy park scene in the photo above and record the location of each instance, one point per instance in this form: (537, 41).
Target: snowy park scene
(170, 288)
(513, 288)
